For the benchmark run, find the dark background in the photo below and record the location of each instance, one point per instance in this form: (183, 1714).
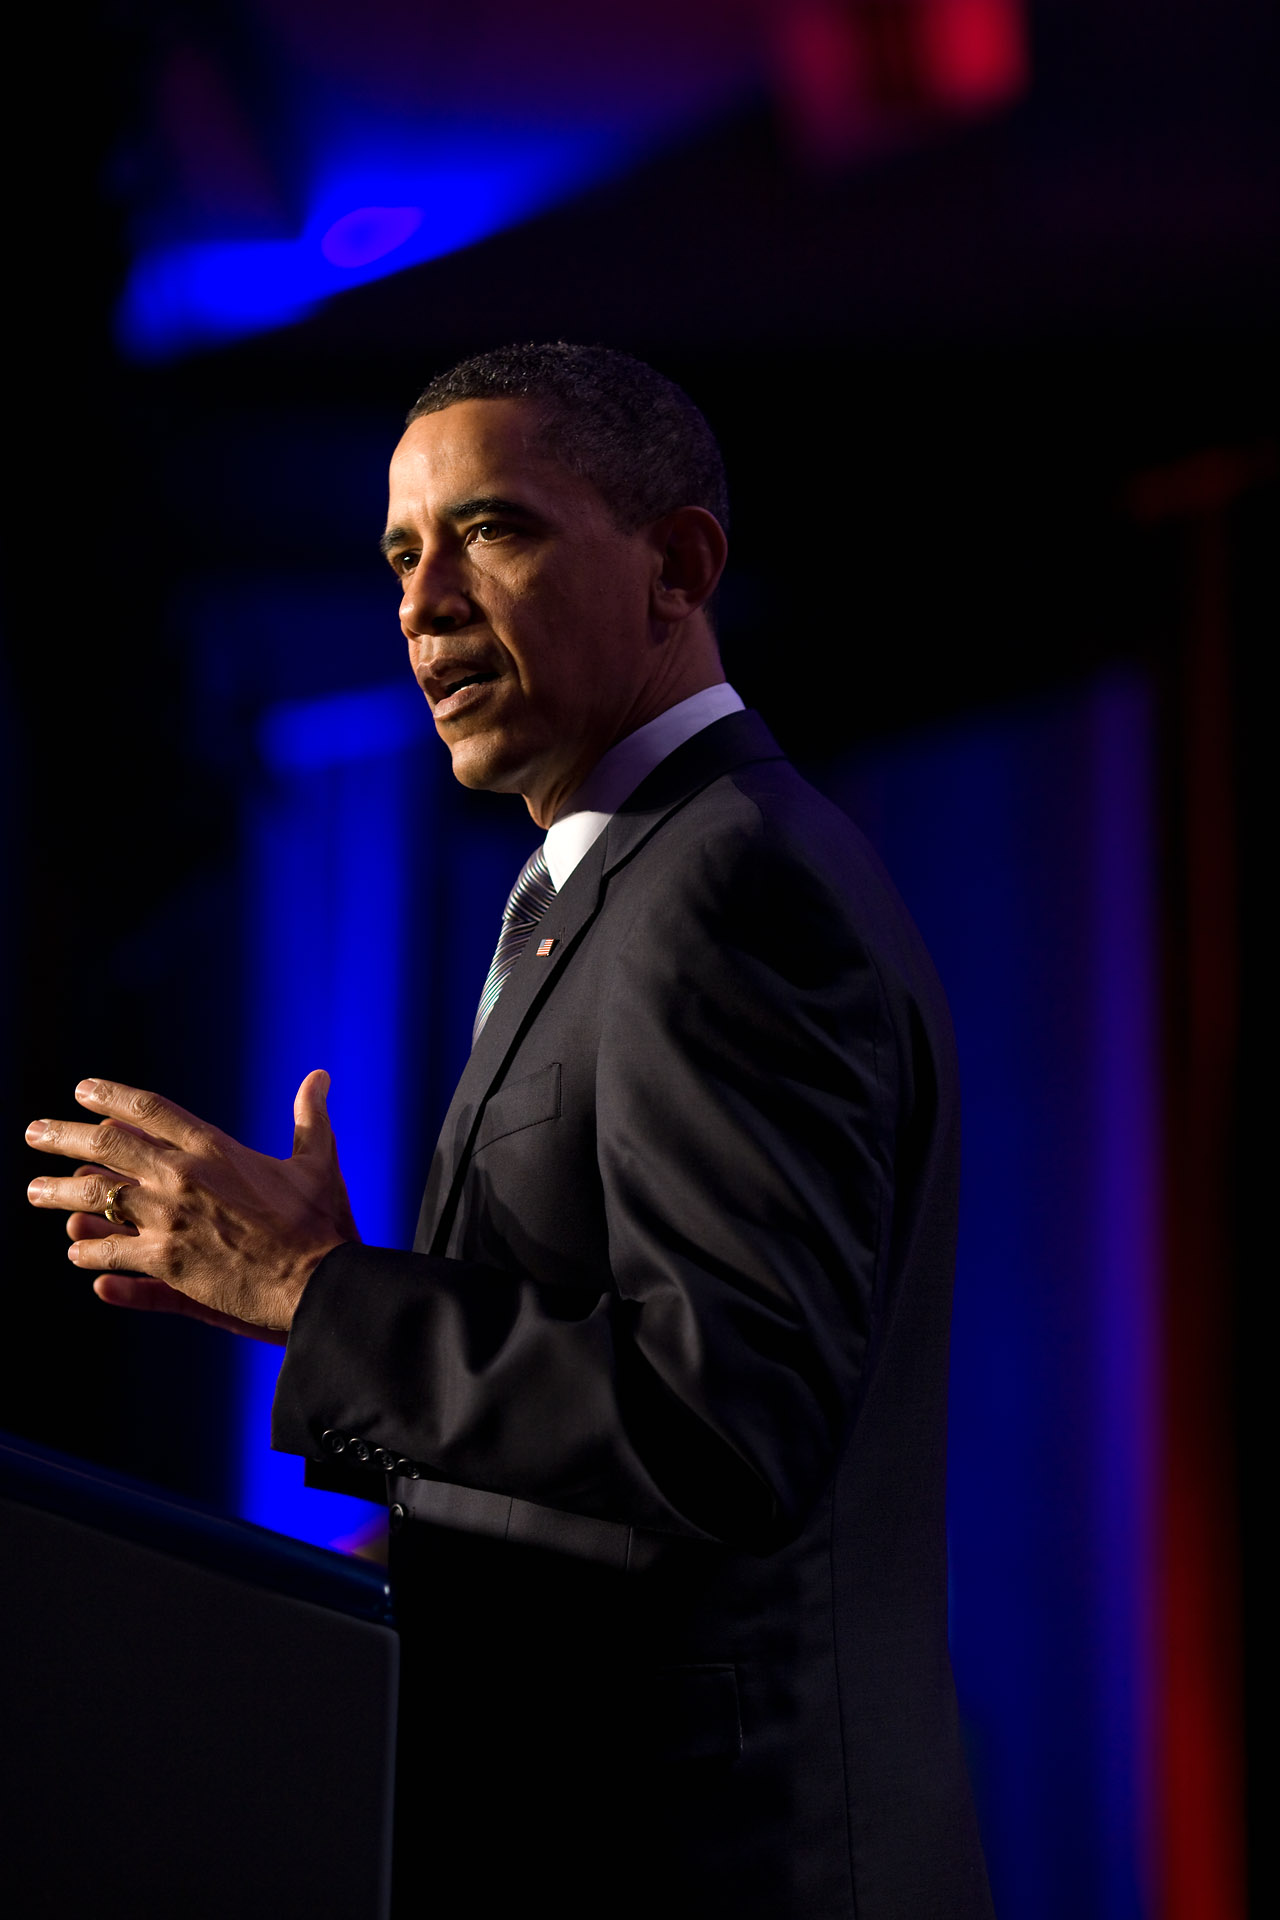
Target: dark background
(998, 408)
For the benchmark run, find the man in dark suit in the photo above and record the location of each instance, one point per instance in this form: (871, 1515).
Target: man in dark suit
(659, 1396)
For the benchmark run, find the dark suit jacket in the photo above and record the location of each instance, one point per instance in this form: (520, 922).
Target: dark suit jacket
(663, 1387)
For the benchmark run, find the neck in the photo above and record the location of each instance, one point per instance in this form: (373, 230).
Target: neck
(689, 669)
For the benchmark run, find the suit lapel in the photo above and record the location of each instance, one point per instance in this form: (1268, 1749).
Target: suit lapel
(729, 743)
(526, 987)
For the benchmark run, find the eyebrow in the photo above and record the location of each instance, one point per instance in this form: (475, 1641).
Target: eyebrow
(480, 503)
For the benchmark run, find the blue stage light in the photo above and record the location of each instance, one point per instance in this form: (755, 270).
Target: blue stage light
(386, 200)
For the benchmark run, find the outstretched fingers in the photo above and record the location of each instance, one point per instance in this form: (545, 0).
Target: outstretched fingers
(85, 1194)
(118, 1249)
(140, 1291)
(145, 1295)
(197, 1215)
(107, 1144)
(147, 1114)
(87, 1226)
(91, 1226)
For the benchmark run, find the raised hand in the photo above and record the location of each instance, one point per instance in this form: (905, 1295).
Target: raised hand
(211, 1229)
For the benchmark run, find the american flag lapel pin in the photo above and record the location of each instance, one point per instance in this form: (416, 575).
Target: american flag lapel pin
(544, 948)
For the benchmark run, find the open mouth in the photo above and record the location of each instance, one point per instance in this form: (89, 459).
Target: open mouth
(460, 695)
(471, 680)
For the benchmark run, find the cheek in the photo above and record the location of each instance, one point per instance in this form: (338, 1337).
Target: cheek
(565, 626)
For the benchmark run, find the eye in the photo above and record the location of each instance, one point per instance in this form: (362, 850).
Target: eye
(403, 563)
(487, 530)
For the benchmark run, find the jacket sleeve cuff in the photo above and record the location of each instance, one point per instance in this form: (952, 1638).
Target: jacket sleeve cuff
(319, 1398)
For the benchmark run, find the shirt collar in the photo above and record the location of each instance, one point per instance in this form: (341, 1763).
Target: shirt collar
(619, 772)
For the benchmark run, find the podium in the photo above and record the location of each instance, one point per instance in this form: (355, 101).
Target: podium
(197, 1717)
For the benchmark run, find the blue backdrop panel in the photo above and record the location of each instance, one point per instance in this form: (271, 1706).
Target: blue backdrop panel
(332, 970)
(1022, 843)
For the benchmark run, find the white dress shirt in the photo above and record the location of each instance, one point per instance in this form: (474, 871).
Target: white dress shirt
(587, 813)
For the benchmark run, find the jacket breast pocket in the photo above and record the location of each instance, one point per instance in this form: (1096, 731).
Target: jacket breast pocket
(525, 1103)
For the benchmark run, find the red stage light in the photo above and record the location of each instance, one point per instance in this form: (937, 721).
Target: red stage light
(855, 72)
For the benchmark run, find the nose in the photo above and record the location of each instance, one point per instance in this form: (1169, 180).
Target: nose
(434, 599)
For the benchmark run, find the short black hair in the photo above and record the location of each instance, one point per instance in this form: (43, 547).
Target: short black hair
(622, 425)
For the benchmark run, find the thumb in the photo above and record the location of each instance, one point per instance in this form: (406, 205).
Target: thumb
(312, 1132)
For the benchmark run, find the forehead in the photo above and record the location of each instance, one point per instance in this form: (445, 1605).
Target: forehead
(479, 448)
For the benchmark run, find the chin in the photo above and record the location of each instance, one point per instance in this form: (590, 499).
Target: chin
(477, 765)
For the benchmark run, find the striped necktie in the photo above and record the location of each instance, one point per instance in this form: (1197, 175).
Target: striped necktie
(531, 895)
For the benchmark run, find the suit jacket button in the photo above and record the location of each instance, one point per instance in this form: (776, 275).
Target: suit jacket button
(359, 1450)
(385, 1460)
(332, 1441)
(396, 1517)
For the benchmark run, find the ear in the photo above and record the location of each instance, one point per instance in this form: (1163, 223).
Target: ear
(690, 548)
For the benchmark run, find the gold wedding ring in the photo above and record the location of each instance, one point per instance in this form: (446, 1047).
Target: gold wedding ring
(112, 1210)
